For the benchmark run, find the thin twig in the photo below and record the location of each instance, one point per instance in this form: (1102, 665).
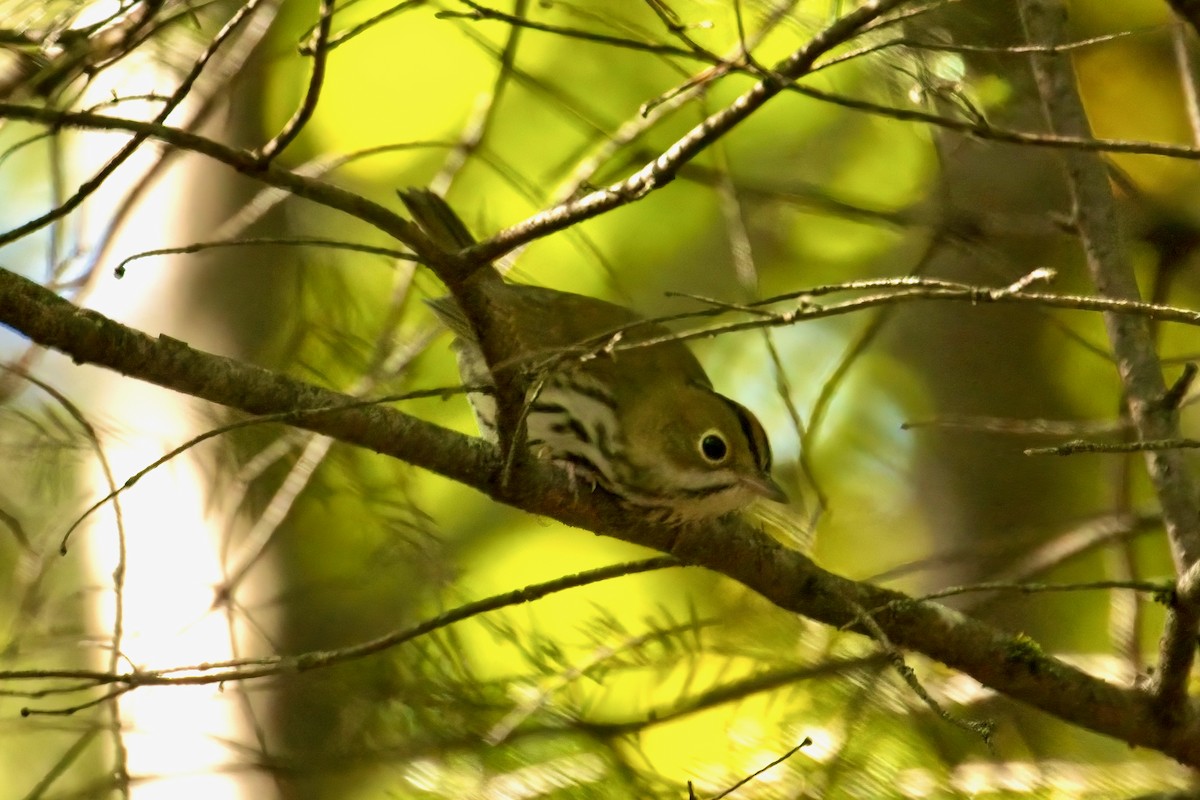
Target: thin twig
(866, 619)
(1081, 446)
(293, 417)
(134, 144)
(477, 130)
(199, 247)
(805, 743)
(117, 633)
(320, 53)
(1132, 341)
(662, 170)
(784, 577)
(242, 669)
(364, 26)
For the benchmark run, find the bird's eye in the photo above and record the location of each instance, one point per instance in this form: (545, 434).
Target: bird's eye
(713, 447)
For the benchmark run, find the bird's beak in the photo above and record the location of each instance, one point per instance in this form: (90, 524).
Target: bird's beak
(765, 485)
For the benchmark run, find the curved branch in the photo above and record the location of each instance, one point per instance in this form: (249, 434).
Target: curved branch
(243, 162)
(1011, 664)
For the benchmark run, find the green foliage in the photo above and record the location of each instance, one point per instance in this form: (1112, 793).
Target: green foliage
(898, 428)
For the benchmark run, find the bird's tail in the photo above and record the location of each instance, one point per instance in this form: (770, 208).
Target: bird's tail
(436, 218)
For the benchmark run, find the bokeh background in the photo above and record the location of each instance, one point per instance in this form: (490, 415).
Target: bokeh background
(900, 431)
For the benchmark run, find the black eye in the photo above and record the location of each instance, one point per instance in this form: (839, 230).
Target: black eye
(713, 447)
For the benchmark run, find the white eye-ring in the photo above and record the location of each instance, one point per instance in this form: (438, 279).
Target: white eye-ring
(713, 447)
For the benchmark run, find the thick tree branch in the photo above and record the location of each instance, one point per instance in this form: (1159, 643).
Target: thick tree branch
(1010, 664)
(1132, 339)
(90, 338)
(655, 174)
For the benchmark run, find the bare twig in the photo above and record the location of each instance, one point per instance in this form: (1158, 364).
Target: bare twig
(805, 743)
(662, 170)
(1185, 62)
(129, 148)
(117, 633)
(292, 417)
(320, 53)
(866, 618)
(919, 289)
(1080, 446)
(243, 669)
(478, 129)
(1009, 664)
(107, 41)
(979, 130)
(1017, 427)
(306, 49)
(200, 247)
(1132, 341)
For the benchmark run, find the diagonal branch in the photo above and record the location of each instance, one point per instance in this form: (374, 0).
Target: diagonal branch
(1010, 664)
(1132, 340)
(662, 170)
(134, 144)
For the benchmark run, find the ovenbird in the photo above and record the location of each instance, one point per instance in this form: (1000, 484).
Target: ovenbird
(644, 423)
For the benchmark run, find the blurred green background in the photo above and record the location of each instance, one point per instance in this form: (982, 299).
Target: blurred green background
(634, 687)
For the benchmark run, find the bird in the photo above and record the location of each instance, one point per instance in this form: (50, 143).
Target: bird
(612, 398)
